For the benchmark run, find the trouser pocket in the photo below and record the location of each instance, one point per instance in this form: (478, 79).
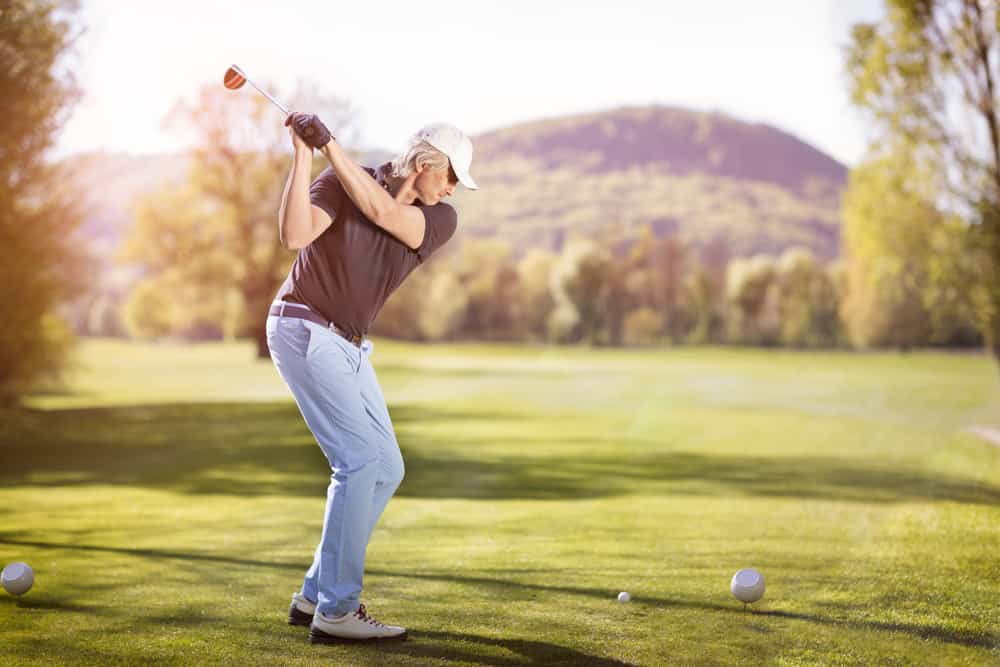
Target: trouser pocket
(326, 347)
(288, 333)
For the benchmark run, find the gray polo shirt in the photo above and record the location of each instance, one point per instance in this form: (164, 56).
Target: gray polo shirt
(347, 273)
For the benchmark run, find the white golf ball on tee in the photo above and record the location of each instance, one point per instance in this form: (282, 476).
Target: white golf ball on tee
(747, 585)
(624, 596)
(17, 578)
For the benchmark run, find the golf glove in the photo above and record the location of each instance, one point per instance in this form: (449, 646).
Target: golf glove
(310, 128)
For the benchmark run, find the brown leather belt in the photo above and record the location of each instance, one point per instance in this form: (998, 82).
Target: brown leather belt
(301, 311)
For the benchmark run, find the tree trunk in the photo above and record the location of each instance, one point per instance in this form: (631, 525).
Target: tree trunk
(261, 339)
(259, 308)
(257, 302)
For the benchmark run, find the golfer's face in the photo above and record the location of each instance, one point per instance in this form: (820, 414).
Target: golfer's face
(434, 185)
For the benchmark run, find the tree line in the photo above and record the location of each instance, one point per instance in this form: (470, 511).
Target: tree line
(606, 291)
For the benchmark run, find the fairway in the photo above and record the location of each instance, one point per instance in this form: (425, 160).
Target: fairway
(171, 500)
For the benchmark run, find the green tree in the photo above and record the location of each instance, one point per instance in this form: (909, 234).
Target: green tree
(146, 313)
(41, 262)
(889, 221)
(657, 275)
(580, 282)
(643, 326)
(400, 316)
(614, 303)
(216, 237)
(446, 305)
(752, 294)
(486, 270)
(188, 271)
(674, 262)
(563, 323)
(534, 274)
(958, 295)
(927, 76)
(704, 291)
(808, 300)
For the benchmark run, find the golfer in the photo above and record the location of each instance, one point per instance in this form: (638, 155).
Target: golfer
(359, 232)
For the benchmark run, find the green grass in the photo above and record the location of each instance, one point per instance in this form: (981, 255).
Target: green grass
(170, 502)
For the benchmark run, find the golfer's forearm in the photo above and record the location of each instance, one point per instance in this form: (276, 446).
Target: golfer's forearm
(294, 214)
(374, 202)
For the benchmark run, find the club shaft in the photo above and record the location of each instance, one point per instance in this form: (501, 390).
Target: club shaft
(275, 102)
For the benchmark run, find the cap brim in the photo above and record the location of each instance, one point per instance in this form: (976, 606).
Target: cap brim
(465, 178)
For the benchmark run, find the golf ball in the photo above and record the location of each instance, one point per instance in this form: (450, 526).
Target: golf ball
(624, 596)
(747, 585)
(17, 578)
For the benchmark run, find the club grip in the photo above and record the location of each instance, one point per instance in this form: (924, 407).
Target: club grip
(306, 131)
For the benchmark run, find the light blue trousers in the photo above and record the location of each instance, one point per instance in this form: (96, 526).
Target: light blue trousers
(335, 387)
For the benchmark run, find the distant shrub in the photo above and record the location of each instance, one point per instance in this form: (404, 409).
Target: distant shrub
(643, 326)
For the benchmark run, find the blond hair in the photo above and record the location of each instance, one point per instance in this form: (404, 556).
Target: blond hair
(420, 152)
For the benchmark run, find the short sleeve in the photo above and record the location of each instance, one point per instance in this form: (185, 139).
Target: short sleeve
(327, 193)
(441, 221)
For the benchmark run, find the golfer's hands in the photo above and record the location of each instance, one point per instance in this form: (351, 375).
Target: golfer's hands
(308, 128)
(301, 147)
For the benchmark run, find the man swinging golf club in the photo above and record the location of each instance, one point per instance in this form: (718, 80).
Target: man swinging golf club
(359, 232)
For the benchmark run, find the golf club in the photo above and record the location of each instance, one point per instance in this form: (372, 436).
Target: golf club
(235, 78)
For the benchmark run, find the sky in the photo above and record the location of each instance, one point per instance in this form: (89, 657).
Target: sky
(479, 65)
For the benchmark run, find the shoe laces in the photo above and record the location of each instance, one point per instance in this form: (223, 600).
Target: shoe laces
(362, 614)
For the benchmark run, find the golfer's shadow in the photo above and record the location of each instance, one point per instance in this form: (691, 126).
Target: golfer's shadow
(425, 643)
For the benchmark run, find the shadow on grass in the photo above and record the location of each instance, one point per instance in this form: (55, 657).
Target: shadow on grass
(528, 652)
(165, 554)
(48, 604)
(922, 631)
(273, 642)
(539, 652)
(254, 449)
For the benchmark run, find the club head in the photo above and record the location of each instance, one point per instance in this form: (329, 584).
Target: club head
(234, 78)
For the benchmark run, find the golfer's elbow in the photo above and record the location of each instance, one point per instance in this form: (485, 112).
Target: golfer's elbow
(288, 236)
(289, 244)
(295, 241)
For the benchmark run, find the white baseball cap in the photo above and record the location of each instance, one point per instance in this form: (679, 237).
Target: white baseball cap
(452, 142)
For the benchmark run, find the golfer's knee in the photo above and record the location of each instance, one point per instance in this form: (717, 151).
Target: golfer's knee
(354, 467)
(396, 470)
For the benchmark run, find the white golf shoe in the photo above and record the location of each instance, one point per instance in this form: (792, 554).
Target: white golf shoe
(357, 626)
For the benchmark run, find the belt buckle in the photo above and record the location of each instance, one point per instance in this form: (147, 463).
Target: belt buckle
(354, 340)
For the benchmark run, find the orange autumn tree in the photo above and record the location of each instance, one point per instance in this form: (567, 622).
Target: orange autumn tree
(209, 246)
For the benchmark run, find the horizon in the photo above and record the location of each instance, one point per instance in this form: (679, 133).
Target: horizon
(376, 149)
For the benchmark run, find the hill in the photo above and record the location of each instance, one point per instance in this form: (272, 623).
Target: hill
(705, 176)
